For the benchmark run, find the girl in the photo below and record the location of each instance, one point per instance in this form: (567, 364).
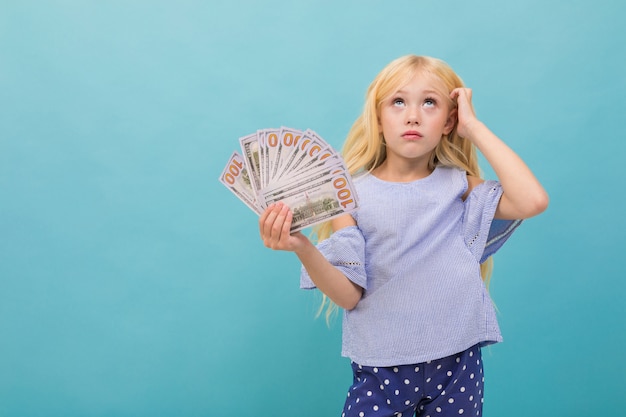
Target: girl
(406, 266)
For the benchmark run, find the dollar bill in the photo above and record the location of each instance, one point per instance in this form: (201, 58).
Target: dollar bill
(271, 138)
(251, 154)
(236, 178)
(289, 139)
(329, 194)
(298, 168)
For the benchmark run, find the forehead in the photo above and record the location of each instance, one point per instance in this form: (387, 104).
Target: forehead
(424, 81)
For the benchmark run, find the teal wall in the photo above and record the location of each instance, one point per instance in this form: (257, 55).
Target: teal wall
(132, 283)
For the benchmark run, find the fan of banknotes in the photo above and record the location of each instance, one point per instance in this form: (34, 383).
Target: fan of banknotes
(295, 167)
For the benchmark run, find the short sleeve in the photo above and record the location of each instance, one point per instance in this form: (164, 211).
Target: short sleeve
(483, 234)
(344, 249)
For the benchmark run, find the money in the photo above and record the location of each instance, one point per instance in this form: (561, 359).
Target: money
(236, 178)
(295, 167)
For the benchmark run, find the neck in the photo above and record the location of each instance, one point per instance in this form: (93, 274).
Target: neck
(404, 171)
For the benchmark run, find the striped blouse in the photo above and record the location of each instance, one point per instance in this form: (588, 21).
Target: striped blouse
(416, 251)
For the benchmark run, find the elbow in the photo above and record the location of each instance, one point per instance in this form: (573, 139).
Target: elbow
(349, 305)
(541, 202)
(529, 205)
(537, 204)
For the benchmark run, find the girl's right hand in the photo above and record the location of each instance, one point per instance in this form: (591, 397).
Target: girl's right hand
(274, 225)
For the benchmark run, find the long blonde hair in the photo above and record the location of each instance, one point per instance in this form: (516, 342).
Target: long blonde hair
(364, 149)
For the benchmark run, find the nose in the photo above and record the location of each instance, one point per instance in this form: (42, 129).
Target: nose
(412, 116)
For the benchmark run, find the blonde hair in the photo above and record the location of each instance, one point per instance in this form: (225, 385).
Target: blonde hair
(364, 149)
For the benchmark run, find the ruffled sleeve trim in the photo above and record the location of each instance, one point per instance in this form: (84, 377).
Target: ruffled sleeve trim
(483, 234)
(345, 250)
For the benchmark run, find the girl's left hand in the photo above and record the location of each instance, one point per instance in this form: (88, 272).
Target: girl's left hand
(465, 112)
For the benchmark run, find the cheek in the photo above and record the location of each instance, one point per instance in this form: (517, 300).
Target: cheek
(383, 120)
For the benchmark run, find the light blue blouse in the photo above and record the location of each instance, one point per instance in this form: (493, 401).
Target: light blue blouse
(416, 251)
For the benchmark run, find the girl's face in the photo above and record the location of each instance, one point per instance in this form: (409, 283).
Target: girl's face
(414, 119)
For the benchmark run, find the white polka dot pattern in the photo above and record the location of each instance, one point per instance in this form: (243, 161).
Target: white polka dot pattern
(451, 386)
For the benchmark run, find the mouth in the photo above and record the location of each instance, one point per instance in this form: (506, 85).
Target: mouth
(412, 135)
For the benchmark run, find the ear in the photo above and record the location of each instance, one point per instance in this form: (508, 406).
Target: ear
(450, 122)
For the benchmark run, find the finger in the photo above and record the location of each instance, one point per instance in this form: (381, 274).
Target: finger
(456, 92)
(279, 223)
(266, 221)
(265, 214)
(286, 231)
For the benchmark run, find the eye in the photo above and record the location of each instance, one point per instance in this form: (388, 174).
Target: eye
(398, 102)
(430, 102)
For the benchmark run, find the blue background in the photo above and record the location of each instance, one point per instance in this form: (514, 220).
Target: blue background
(132, 283)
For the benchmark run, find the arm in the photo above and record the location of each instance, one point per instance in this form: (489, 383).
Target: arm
(274, 225)
(523, 196)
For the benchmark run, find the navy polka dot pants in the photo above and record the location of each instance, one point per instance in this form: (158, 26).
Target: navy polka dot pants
(452, 386)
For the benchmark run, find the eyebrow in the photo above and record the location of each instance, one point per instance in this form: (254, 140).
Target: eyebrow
(424, 92)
